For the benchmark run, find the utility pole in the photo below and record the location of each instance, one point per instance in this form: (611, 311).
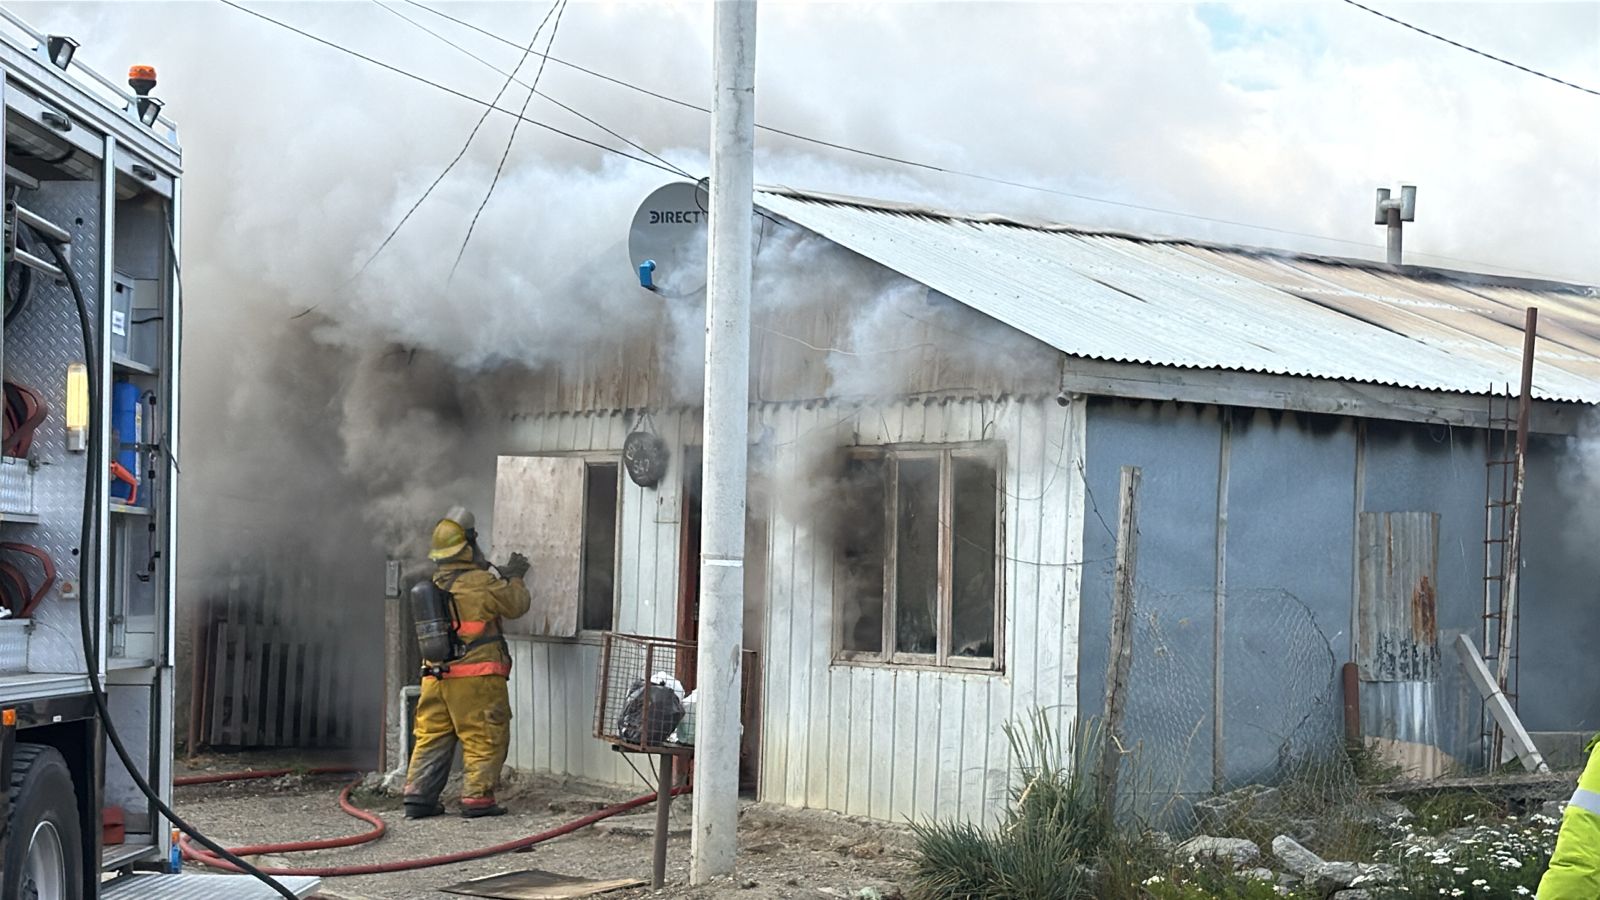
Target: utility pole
(1393, 212)
(727, 414)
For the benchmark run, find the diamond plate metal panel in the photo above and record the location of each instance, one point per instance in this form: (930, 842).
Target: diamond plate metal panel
(37, 345)
(13, 647)
(191, 886)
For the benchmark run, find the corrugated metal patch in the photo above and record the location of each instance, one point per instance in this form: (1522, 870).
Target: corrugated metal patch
(1399, 570)
(1133, 300)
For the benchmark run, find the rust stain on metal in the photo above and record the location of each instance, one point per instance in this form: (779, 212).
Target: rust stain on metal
(1398, 604)
(1424, 613)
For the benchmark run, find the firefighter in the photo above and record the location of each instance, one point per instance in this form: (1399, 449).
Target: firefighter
(1574, 872)
(464, 699)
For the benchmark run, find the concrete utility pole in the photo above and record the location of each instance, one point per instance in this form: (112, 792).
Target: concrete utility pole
(1393, 212)
(727, 419)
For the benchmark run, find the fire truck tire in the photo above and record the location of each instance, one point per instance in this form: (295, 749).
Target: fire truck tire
(43, 852)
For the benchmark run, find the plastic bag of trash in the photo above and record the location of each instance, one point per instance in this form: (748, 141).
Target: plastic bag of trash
(666, 680)
(664, 713)
(685, 733)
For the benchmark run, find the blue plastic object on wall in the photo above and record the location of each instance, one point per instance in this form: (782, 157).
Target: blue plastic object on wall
(126, 434)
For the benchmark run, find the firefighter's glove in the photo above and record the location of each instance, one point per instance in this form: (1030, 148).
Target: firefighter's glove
(515, 567)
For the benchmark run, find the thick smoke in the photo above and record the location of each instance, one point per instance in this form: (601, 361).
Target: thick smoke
(331, 438)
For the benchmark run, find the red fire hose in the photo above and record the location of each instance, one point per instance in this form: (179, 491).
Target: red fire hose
(350, 809)
(400, 865)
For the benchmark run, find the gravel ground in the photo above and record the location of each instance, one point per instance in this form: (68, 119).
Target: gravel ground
(783, 853)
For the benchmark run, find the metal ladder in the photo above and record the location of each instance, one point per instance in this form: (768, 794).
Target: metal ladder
(1499, 557)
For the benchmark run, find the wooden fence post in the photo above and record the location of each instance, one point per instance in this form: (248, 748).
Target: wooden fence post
(1120, 660)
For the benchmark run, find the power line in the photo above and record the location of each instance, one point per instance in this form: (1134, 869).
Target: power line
(490, 106)
(557, 7)
(944, 170)
(451, 166)
(441, 87)
(1459, 45)
(542, 93)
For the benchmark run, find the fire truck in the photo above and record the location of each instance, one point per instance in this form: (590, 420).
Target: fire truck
(89, 348)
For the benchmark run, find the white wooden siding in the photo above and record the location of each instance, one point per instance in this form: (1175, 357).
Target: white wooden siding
(884, 742)
(893, 743)
(553, 681)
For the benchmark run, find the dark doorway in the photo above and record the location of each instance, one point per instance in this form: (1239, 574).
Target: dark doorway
(689, 609)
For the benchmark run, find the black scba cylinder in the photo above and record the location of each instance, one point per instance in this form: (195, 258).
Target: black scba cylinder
(430, 610)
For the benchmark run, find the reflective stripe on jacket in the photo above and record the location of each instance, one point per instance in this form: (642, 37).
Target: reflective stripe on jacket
(482, 600)
(1574, 872)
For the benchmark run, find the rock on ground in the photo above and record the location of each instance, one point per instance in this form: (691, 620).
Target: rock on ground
(1236, 851)
(1336, 876)
(1296, 858)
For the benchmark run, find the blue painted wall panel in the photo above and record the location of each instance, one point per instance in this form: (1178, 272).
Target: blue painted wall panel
(1290, 564)
(1560, 589)
(1169, 707)
(1290, 580)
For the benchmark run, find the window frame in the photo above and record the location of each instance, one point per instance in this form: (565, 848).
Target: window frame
(590, 460)
(942, 658)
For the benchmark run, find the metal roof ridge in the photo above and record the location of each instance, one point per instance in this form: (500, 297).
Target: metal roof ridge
(1434, 273)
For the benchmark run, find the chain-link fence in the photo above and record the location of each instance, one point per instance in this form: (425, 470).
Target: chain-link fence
(1269, 714)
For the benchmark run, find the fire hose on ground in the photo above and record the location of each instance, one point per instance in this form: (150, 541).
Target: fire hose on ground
(378, 829)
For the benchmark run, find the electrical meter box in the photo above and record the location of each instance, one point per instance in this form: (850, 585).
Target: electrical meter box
(135, 320)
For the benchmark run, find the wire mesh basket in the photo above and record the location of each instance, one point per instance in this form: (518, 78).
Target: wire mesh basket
(646, 701)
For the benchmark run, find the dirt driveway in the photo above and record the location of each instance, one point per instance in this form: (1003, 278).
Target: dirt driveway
(783, 853)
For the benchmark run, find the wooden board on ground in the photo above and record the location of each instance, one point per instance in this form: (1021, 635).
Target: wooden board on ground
(535, 884)
(538, 512)
(1499, 706)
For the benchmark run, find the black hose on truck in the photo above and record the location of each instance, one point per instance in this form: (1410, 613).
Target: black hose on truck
(91, 497)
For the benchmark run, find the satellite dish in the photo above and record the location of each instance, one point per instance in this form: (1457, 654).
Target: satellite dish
(667, 242)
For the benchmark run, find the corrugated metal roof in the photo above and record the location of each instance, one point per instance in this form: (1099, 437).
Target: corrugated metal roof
(1177, 303)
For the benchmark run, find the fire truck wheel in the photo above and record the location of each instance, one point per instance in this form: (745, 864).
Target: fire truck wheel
(43, 855)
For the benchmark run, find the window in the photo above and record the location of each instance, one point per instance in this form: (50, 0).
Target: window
(561, 512)
(917, 572)
(598, 582)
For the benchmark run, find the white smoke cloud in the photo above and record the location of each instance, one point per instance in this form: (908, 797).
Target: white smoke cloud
(301, 159)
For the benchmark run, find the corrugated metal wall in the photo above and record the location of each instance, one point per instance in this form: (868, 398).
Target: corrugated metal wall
(873, 741)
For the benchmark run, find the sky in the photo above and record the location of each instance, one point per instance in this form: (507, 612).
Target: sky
(300, 159)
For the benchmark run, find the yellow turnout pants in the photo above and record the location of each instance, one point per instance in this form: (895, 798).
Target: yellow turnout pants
(475, 710)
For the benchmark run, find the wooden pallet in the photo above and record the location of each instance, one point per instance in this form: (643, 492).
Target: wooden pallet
(268, 682)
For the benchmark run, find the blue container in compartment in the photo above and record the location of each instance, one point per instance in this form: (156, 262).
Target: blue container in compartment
(127, 433)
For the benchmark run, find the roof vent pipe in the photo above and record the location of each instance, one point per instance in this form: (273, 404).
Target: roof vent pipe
(1392, 212)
